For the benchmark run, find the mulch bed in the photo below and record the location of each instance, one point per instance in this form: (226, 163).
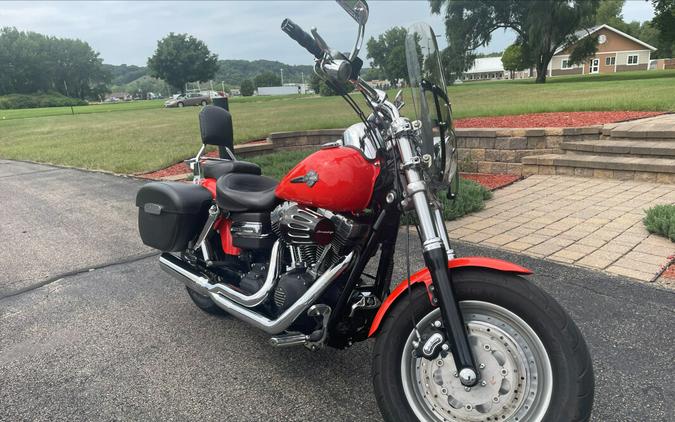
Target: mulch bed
(491, 181)
(562, 119)
(670, 272)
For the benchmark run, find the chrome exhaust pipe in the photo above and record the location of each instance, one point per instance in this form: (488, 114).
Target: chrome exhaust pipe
(200, 283)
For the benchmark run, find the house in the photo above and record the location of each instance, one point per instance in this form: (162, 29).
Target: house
(617, 52)
(485, 68)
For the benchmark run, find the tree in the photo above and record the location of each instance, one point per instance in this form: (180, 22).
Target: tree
(542, 26)
(664, 19)
(456, 61)
(182, 58)
(388, 54)
(267, 79)
(322, 88)
(247, 88)
(515, 58)
(32, 62)
(609, 12)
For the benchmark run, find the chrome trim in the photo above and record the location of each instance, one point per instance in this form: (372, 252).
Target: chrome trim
(443, 232)
(202, 284)
(416, 189)
(248, 229)
(214, 212)
(276, 326)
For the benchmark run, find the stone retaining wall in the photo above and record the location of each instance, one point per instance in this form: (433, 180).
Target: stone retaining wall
(480, 150)
(502, 150)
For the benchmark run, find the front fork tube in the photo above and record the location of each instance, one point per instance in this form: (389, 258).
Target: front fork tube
(436, 252)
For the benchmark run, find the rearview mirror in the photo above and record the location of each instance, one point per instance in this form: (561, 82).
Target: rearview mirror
(357, 9)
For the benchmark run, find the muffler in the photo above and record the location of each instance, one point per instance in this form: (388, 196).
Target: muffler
(197, 281)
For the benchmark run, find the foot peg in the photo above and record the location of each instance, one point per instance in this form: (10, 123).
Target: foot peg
(313, 341)
(286, 340)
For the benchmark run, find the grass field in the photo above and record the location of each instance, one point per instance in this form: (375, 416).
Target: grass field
(142, 136)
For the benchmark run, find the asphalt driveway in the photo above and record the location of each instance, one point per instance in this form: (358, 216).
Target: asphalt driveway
(55, 220)
(124, 342)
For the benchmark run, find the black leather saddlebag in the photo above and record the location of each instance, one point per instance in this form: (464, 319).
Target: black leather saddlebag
(170, 214)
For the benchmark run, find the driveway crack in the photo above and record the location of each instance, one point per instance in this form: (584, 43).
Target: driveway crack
(73, 273)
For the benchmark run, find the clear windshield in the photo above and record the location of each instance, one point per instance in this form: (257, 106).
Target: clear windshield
(426, 78)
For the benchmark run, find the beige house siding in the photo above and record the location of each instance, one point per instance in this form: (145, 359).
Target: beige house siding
(616, 45)
(556, 70)
(615, 42)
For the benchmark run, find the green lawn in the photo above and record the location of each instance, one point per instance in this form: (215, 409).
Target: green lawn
(142, 136)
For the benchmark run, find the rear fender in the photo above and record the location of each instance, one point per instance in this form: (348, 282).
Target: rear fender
(423, 276)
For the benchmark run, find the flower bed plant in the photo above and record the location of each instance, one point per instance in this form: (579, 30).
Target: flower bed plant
(660, 219)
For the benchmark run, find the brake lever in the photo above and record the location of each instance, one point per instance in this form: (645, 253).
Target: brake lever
(319, 40)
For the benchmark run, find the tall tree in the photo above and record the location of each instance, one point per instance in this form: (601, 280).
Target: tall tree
(388, 54)
(182, 58)
(609, 12)
(32, 62)
(664, 19)
(542, 26)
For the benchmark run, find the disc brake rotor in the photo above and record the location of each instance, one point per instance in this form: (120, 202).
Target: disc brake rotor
(515, 373)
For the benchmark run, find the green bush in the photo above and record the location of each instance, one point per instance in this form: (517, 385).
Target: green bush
(39, 100)
(661, 220)
(471, 198)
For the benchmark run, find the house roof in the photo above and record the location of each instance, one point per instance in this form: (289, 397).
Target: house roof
(487, 64)
(582, 33)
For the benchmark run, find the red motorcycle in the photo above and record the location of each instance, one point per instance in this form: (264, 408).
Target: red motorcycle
(464, 339)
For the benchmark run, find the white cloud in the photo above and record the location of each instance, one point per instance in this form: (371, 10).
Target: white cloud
(127, 32)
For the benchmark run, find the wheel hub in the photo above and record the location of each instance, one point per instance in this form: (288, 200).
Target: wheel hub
(494, 396)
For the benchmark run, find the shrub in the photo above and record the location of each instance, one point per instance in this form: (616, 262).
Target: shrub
(39, 100)
(661, 220)
(471, 198)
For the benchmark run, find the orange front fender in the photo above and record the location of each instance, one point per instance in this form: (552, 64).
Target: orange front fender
(423, 276)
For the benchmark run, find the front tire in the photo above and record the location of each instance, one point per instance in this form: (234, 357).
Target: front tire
(536, 365)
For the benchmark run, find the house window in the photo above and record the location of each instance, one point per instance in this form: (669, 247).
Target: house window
(610, 61)
(633, 59)
(565, 64)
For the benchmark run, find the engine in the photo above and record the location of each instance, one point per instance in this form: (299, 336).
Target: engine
(315, 239)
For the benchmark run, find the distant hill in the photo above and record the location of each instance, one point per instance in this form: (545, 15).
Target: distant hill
(233, 72)
(123, 74)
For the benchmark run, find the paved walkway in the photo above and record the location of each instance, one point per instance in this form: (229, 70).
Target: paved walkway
(661, 127)
(592, 223)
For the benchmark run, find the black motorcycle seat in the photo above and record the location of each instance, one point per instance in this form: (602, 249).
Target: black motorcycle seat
(215, 169)
(239, 192)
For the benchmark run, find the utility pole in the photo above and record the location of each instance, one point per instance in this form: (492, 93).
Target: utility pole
(282, 77)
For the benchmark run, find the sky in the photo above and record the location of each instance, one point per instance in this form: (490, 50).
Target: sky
(127, 32)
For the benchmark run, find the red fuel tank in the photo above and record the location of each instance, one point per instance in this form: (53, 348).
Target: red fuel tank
(339, 179)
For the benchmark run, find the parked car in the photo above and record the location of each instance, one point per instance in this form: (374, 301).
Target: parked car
(189, 99)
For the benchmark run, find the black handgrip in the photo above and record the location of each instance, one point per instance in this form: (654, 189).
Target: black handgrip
(302, 38)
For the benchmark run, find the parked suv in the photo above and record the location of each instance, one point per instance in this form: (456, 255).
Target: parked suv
(189, 99)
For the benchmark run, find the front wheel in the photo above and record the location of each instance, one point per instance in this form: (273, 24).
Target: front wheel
(533, 362)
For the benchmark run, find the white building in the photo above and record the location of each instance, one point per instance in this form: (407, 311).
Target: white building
(485, 68)
(286, 89)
